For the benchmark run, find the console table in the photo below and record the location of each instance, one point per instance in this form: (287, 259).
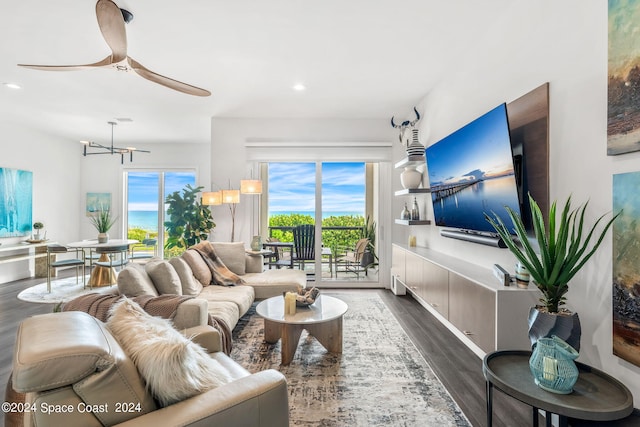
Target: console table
(466, 298)
(25, 251)
(596, 396)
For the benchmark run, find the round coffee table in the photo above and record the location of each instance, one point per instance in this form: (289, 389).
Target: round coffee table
(322, 319)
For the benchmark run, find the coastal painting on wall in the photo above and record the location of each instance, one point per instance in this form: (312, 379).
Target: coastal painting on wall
(623, 110)
(626, 267)
(16, 189)
(98, 202)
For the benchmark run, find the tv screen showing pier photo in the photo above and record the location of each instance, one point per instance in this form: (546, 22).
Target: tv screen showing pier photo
(471, 172)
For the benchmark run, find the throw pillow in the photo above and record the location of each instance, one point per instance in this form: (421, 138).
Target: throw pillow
(134, 281)
(200, 269)
(164, 276)
(173, 367)
(190, 285)
(232, 255)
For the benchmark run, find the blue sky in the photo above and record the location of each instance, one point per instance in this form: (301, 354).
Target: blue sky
(482, 144)
(292, 187)
(143, 188)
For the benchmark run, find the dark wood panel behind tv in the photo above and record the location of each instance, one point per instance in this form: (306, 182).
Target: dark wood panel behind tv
(529, 128)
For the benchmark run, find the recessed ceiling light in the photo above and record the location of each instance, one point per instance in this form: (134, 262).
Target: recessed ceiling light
(12, 85)
(299, 87)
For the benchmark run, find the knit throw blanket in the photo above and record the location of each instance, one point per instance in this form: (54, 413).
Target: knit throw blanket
(219, 272)
(165, 306)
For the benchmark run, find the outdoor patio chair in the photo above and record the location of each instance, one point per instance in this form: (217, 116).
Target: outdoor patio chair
(351, 258)
(304, 237)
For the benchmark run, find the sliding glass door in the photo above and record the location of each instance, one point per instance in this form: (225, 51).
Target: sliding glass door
(333, 195)
(145, 195)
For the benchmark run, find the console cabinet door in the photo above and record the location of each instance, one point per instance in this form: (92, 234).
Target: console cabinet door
(413, 273)
(472, 309)
(436, 280)
(398, 263)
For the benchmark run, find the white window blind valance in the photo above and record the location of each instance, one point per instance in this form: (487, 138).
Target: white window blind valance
(351, 151)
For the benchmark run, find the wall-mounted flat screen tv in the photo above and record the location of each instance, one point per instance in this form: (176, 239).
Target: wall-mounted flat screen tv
(471, 172)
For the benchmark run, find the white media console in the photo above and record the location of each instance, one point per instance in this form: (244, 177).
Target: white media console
(467, 298)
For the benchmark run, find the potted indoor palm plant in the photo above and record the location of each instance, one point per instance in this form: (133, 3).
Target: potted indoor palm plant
(103, 221)
(563, 249)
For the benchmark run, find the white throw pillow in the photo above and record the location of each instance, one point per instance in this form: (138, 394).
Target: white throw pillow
(173, 367)
(190, 286)
(232, 255)
(164, 276)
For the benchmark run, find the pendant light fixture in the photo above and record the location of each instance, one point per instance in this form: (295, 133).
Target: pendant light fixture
(104, 149)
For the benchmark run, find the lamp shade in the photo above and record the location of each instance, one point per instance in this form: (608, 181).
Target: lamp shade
(251, 186)
(230, 196)
(212, 198)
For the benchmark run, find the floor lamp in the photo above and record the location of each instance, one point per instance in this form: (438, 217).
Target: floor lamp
(253, 187)
(232, 198)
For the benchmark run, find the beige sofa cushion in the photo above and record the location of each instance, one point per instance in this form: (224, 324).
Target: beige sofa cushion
(164, 276)
(134, 281)
(232, 255)
(274, 282)
(226, 311)
(199, 268)
(190, 286)
(241, 295)
(173, 367)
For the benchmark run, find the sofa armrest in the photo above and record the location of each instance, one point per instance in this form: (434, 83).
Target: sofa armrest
(253, 263)
(190, 313)
(208, 337)
(259, 400)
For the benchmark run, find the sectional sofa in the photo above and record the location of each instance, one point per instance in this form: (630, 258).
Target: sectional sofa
(189, 274)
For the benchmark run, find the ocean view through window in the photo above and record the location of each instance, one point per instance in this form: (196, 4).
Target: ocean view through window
(146, 192)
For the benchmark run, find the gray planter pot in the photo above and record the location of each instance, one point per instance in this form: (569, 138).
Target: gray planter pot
(565, 326)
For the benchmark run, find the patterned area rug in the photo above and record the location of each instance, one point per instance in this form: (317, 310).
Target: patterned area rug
(62, 290)
(379, 380)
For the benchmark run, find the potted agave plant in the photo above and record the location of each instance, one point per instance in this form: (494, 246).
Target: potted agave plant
(563, 249)
(103, 221)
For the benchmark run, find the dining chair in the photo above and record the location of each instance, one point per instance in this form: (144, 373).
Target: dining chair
(112, 257)
(52, 262)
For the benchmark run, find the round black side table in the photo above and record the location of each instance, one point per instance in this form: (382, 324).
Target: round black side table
(596, 396)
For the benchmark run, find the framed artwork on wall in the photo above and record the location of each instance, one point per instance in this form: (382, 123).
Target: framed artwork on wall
(623, 109)
(98, 202)
(16, 193)
(626, 267)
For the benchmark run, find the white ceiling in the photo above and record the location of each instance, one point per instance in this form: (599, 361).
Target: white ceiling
(357, 58)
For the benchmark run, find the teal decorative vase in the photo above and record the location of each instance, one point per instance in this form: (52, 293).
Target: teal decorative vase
(552, 365)
(256, 243)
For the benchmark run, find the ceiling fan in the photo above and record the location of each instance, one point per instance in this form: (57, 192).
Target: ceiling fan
(111, 20)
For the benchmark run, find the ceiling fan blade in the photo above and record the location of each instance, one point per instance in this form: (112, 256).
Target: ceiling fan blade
(111, 23)
(166, 81)
(104, 63)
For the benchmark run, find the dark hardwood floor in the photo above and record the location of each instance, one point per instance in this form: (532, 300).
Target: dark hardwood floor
(459, 369)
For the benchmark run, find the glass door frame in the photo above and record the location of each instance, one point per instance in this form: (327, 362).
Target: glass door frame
(161, 204)
(375, 193)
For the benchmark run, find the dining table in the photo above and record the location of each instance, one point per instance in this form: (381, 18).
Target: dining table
(103, 275)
